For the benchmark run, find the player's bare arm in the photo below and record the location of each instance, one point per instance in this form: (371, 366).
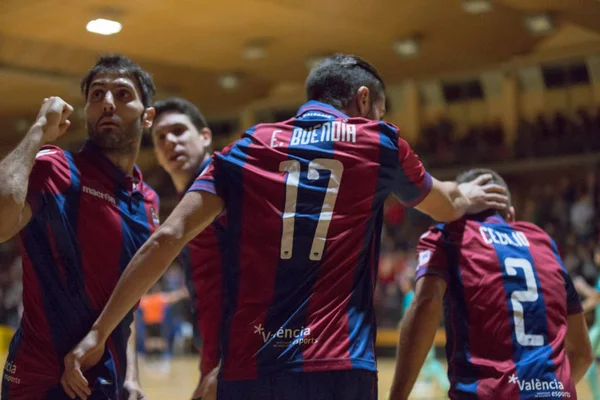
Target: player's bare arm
(51, 122)
(417, 334)
(591, 296)
(449, 201)
(578, 346)
(132, 380)
(191, 216)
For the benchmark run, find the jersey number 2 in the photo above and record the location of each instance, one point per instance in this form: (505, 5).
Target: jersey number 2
(520, 296)
(292, 167)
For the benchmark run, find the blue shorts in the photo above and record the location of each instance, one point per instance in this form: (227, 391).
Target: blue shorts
(328, 385)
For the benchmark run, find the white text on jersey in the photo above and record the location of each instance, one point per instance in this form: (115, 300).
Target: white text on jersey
(490, 236)
(104, 196)
(334, 131)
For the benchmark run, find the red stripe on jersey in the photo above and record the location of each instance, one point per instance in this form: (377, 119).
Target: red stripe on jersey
(206, 274)
(258, 263)
(98, 220)
(552, 285)
(483, 285)
(338, 268)
(36, 361)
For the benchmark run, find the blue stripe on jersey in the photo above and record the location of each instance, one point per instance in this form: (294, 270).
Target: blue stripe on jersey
(134, 233)
(360, 305)
(457, 329)
(231, 257)
(61, 215)
(296, 277)
(526, 357)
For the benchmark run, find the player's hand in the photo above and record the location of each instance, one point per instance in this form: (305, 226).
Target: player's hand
(133, 390)
(484, 195)
(84, 356)
(54, 118)
(208, 386)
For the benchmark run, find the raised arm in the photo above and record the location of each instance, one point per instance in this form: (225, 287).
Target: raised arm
(15, 169)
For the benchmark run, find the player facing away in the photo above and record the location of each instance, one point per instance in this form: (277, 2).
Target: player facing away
(514, 323)
(304, 201)
(182, 143)
(81, 217)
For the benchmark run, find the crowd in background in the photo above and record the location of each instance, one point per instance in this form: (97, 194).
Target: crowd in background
(441, 144)
(563, 202)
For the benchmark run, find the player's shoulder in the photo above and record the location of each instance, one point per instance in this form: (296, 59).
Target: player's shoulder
(435, 234)
(50, 154)
(528, 228)
(149, 192)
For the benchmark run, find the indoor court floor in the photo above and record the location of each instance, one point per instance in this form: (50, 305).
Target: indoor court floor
(179, 383)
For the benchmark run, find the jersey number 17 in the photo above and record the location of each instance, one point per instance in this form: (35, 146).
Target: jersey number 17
(292, 167)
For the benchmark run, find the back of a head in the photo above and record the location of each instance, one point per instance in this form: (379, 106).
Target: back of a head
(474, 173)
(337, 78)
(127, 67)
(181, 106)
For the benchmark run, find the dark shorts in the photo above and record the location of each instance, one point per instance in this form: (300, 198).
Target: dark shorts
(328, 385)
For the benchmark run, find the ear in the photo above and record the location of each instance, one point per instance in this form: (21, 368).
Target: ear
(206, 134)
(363, 101)
(510, 214)
(148, 117)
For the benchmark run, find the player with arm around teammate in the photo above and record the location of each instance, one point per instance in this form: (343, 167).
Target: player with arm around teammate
(304, 200)
(514, 323)
(81, 217)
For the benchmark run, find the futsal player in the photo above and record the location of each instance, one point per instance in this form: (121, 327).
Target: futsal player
(81, 217)
(514, 323)
(182, 143)
(304, 201)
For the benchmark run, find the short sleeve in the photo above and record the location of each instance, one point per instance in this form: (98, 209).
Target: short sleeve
(431, 253)
(411, 183)
(50, 176)
(573, 301)
(212, 179)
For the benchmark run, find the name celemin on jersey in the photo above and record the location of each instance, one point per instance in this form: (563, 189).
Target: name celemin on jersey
(333, 131)
(513, 238)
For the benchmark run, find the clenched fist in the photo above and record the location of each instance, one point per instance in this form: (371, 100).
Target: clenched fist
(54, 118)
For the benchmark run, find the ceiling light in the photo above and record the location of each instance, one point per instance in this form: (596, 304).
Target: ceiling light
(477, 6)
(255, 50)
(539, 24)
(103, 26)
(229, 81)
(407, 47)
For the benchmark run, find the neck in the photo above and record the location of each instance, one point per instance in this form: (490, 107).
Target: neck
(181, 179)
(123, 160)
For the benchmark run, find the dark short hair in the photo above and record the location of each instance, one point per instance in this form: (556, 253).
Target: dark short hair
(337, 78)
(474, 173)
(123, 65)
(181, 106)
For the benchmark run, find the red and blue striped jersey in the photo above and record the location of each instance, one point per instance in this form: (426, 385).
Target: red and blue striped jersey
(506, 308)
(202, 263)
(304, 201)
(89, 219)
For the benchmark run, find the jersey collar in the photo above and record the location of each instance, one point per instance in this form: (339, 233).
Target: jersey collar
(132, 183)
(317, 106)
